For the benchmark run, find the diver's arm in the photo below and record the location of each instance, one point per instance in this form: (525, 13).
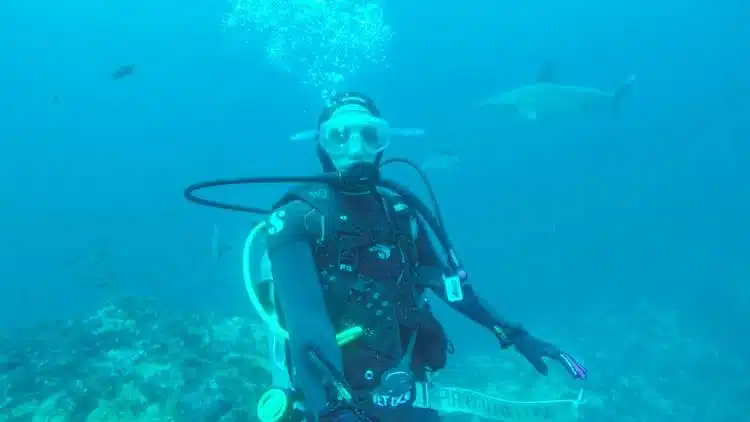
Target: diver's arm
(471, 306)
(507, 333)
(474, 308)
(300, 299)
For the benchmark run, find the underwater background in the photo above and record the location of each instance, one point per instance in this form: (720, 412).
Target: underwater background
(624, 239)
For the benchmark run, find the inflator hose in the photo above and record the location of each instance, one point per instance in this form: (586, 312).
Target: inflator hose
(432, 220)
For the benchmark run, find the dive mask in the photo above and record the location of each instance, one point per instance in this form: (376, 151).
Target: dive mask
(336, 134)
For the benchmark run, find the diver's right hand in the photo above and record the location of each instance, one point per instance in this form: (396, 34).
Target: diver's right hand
(534, 350)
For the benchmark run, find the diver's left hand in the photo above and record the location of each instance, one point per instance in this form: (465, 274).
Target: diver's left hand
(535, 350)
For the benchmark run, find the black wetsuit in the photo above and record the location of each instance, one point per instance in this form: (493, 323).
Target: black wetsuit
(340, 260)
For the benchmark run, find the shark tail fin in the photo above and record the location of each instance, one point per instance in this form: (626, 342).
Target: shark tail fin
(620, 93)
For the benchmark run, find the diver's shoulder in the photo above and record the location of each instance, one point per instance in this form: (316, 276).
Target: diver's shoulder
(294, 208)
(316, 195)
(293, 221)
(293, 213)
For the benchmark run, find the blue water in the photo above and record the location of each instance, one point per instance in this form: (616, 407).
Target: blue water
(561, 222)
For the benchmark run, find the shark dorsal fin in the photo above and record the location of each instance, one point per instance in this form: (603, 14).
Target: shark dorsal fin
(546, 73)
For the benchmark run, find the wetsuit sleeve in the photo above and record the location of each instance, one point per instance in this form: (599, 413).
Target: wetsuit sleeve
(292, 231)
(471, 306)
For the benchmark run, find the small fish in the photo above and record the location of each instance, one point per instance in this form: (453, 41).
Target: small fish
(215, 245)
(123, 71)
(546, 97)
(10, 363)
(218, 248)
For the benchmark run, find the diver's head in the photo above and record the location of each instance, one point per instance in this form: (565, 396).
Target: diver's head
(351, 133)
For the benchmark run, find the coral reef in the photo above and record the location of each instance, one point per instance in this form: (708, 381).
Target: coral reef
(129, 362)
(132, 362)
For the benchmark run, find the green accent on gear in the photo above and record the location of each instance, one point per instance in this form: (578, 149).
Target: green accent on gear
(272, 405)
(349, 335)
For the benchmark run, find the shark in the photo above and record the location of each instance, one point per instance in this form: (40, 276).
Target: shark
(547, 97)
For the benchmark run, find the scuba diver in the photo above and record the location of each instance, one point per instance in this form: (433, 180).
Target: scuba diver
(351, 253)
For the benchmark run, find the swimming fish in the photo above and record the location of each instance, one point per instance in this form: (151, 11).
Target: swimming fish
(547, 97)
(123, 71)
(218, 247)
